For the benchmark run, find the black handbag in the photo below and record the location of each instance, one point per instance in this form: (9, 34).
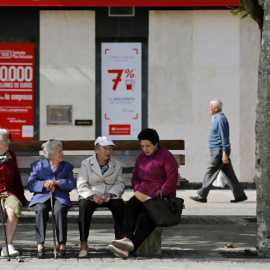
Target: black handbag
(165, 211)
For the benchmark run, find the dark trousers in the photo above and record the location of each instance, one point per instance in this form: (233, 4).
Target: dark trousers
(42, 214)
(134, 209)
(212, 171)
(88, 207)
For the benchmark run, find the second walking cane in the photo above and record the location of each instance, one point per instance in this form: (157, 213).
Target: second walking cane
(53, 225)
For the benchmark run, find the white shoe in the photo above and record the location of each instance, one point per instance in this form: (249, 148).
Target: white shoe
(124, 245)
(11, 251)
(83, 254)
(118, 252)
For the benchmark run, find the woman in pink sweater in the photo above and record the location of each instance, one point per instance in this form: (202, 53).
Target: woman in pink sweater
(155, 170)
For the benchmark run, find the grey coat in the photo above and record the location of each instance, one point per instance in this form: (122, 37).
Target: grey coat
(90, 180)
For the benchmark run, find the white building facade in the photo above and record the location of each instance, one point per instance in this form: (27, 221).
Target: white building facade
(191, 56)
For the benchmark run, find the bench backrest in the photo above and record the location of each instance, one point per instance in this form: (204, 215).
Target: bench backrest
(125, 151)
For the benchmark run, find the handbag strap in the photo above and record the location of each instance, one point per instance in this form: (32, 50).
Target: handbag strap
(169, 201)
(160, 193)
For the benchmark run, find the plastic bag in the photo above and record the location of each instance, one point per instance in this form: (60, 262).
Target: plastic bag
(220, 180)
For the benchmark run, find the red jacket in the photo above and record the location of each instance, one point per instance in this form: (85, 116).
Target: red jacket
(10, 179)
(152, 173)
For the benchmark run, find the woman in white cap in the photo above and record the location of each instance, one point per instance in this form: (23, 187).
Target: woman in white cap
(99, 183)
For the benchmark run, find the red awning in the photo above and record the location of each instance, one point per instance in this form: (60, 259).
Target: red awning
(119, 3)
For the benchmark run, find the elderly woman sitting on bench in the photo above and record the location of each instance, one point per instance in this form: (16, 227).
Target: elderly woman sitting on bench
(51, 175)
(11, 191)
(155, 170)
(99, 183)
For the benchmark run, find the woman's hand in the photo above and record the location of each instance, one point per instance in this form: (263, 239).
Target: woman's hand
(107, 197)
(98, 199)
(50, 185)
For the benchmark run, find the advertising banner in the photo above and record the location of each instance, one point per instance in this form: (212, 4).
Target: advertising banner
(121, 90)
(17, 89)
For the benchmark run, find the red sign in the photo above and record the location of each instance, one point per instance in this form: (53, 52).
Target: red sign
(17, 89)
(120, 3)
(119, 130)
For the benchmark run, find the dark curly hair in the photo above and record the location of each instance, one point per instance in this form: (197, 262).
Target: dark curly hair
(149, 134)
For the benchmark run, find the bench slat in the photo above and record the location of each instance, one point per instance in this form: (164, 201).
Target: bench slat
(127, 161)
(127, 178)
(77, 145)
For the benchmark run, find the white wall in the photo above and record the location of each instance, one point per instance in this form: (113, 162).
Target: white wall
(249, 62)
(67, 71)
(195, 56)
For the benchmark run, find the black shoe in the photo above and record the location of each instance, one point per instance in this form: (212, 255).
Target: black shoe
(198, 199)
(41, 253)
(240, 199)
(62, 253)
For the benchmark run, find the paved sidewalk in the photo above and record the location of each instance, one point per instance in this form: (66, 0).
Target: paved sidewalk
(197, 242)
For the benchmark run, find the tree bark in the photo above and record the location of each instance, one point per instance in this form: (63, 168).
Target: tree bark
(262, 129)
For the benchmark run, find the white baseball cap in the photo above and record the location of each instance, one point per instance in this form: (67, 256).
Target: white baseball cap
(104, 141)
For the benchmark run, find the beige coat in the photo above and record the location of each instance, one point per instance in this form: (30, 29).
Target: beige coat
(90, 180)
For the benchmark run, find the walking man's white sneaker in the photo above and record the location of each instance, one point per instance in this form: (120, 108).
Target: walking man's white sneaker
(11, 250)
(118, 252)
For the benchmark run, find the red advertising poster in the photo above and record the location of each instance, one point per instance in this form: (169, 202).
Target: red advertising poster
(17, 89)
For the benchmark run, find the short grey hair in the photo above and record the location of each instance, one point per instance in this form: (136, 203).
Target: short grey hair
(3, 133)
(217, 103)
(49, 147)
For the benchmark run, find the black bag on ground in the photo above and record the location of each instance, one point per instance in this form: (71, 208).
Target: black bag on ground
(165, 211)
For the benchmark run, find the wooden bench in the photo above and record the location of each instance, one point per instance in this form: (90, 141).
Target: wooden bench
(124, 151)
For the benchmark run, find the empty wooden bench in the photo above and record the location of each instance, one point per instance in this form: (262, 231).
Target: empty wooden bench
(76, 150)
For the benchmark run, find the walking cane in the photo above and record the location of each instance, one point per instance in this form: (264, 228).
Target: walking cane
(3, 222)
(53, 225)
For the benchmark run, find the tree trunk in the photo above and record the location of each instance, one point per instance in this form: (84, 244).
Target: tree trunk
(262, 177)
(255, 11)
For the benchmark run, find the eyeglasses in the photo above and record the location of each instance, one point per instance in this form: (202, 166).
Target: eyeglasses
(5, 140)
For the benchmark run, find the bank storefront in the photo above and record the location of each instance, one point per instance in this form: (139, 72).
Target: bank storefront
(112, 68)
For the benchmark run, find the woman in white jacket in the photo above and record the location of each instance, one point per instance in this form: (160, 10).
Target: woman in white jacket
(99, 183)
